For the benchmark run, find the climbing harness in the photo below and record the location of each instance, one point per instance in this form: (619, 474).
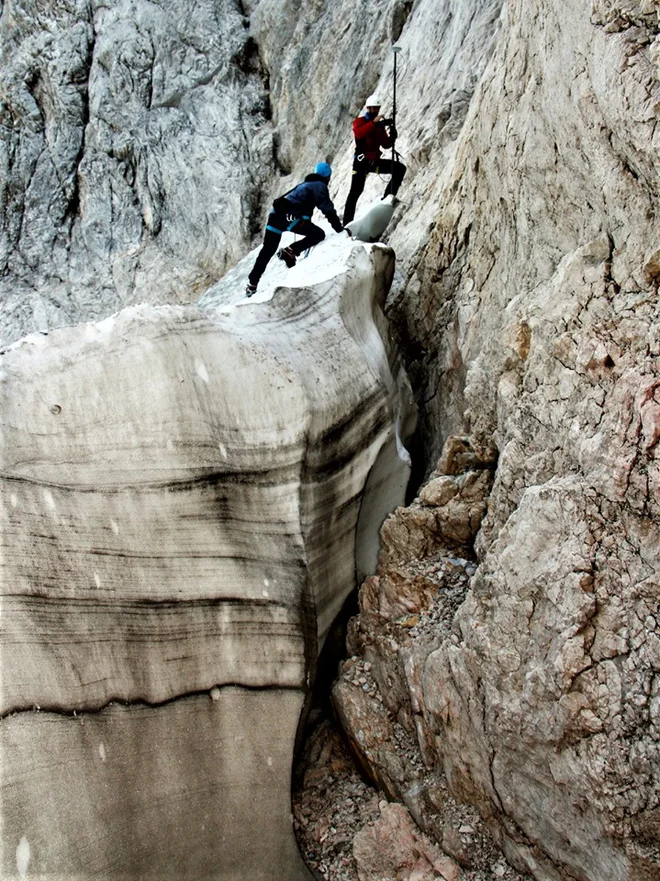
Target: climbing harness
(291, 220)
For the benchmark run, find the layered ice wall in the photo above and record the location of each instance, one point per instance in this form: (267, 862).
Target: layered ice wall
(181, 494)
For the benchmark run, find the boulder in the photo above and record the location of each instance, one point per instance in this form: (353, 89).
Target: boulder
(393, 849)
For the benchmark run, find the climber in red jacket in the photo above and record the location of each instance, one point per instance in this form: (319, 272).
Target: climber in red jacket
(372, 131)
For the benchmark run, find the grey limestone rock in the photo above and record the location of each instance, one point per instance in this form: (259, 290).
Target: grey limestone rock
(135, 143)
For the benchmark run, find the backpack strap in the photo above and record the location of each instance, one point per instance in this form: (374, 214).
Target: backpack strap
(280, 204)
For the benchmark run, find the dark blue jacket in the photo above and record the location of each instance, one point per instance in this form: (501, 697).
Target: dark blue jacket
(303, 199)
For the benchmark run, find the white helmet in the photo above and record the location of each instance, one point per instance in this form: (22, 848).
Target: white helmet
(372, 101)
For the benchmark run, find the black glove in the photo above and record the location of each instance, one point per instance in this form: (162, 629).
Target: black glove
(394, 133)
(386, 122)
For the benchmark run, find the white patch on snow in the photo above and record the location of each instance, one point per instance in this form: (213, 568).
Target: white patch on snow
(106, 325)
(270, 761)
(223, 450)
(97, 580)
(48, 499)
(266, 582)
(32, 339)
(322, 263)
(114, 526)
(264, 593)
(215, 693)
(23, 857)
(102, 752)
(201, 370)
(13, 498)
(402, 452)
(170, 444)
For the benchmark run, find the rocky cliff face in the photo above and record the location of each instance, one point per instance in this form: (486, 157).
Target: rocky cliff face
(518, 653)
(533, 314)
(135, 146)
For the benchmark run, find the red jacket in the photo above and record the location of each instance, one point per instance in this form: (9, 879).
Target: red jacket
(369, 137)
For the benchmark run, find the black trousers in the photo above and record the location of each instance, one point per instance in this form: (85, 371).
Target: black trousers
(363, 167)
(276, 225)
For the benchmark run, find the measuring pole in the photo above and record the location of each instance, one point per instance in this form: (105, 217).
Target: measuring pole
(396, 50)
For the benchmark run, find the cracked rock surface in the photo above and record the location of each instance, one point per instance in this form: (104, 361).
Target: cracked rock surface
(134, 146)
(532, 322)
(348, 831)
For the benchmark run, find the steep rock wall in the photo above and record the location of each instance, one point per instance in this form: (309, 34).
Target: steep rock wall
(556, 321)
(134, 146)
(533, 318)
(141, 144)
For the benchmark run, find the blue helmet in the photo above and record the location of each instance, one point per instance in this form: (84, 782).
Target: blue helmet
(323, 169)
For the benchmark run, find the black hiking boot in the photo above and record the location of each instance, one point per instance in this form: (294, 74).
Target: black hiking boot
(287, 255)
(250, 289)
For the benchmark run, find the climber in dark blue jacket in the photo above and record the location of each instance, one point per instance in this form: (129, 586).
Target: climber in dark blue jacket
(292, 212)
